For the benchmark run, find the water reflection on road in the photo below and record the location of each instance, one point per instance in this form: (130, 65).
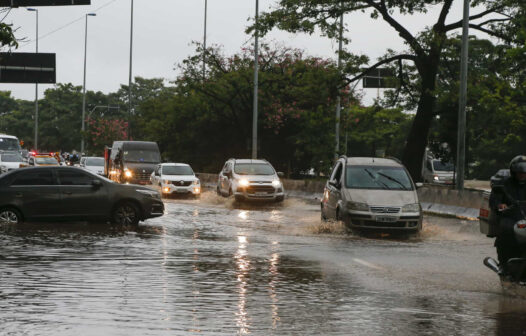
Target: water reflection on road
(213, 267)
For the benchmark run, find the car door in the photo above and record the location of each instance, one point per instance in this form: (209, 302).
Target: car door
(225, 178)
(80, 198)
(157, 175)
(36, 193)
(334, 189)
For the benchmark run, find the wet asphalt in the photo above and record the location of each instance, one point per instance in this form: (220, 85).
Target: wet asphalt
(216, 267)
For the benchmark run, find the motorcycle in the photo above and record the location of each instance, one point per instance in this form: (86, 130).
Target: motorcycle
(514, 280)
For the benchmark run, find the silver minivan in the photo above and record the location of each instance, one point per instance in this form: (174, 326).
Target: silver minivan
(372, 193)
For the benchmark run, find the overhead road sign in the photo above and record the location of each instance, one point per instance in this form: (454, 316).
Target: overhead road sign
(27, 68)
(38, 3)
(380, 78)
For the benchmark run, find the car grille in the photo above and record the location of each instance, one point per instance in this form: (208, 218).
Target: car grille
(260, 189)
(381, 209)
(181, 183)
(142, 176)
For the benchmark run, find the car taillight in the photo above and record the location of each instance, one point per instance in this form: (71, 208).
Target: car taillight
(484, 213)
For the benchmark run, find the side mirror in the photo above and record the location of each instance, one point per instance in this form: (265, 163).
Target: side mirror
(96, 183)
(419, 185)
(281, 174)
(335, 184)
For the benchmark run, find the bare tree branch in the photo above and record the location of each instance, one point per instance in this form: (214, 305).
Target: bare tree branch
(458, 24)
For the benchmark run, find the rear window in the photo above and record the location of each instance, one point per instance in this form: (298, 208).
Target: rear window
(46, 160)
(98, 162)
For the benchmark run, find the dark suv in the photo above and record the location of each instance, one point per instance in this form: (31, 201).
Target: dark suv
(70, 193)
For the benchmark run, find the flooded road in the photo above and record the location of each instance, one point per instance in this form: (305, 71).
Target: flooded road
(212, 267)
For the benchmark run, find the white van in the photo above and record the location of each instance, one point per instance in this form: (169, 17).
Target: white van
(438, 172)
(9, 143)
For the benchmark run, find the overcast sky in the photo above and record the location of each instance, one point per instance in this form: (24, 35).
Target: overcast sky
(163, 31)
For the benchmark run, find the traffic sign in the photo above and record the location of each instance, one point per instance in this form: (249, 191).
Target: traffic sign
(380, 78)
(37, 3)
(27, 68)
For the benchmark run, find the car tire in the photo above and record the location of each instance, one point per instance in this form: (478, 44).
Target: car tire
(218, 191)
(230, 193)
(338, 216)
(125, 214)
(239, 198)
(322, 215)
(280, 199)
(10, 216)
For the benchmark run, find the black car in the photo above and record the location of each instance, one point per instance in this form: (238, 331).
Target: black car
(70, 193)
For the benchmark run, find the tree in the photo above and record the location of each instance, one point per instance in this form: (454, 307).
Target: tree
(424, 49)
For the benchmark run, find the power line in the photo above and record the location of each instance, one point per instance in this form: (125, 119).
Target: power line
(66, 25)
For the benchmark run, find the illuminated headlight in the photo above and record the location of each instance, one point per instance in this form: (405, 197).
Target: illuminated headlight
(243, 183)
(357, 206)
(196, 182)
(415, 207)
(128, 173)
(113, 172)
(151, 193)
(276, 183)
(197, 190)
(166, 189)
(436, 178)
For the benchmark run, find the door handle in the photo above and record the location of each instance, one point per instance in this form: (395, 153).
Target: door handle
(19, 195)
(67, 192)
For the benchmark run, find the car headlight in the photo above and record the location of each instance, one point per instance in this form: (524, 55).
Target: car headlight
(151, 193)
(276, 183)
(357, 206)
(415, 207)
(166, 181)
(196, 182)
(128, 173)
(243, 183)
(436, 178)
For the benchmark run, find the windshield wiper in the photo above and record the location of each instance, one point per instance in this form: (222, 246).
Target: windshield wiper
(374, 179)
(394, 180)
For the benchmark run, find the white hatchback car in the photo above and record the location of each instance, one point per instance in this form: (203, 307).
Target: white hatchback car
(176, 178)
(94, 164)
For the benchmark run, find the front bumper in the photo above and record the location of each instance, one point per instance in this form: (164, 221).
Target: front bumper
(152, 208)
(170, 189)
(410, 221)
(256, 193)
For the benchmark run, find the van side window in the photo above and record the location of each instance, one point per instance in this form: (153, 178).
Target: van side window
(337, 173)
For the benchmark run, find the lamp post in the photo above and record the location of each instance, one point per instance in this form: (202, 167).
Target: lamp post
(36, 84)
(130, 75)
(84, 83)
(255, 103)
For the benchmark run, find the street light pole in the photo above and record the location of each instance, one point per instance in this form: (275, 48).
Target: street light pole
(130, 75)
(84, 83)
(461, 136)
(255, 103)
(36, 85)
(204, 41)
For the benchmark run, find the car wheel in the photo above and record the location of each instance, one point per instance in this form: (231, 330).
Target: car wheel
(125, 213)
(323, 217)
(230, 192)
(279, 199)
(218, 191)
(239, 198)
(10, 216)
(338, 216)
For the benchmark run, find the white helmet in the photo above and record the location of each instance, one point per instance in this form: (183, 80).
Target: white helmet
(520, 231)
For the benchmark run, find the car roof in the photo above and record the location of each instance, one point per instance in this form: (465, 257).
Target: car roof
(251, 161)
(373, 161)
(174, 164)
(8, 136)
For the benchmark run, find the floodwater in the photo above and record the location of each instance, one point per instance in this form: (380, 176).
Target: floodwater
(214, 267)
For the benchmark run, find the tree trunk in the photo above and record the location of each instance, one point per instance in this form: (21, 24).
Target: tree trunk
(417, 139)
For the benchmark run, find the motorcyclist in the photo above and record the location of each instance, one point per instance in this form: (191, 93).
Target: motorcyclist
(503, 201)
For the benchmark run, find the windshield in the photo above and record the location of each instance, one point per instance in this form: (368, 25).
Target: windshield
(443, 166)
(99, 162)
(142, 155)
(12, 158)
(46, 160)
(9, 144)
(254, 169)
(377, 177)
(177, 170)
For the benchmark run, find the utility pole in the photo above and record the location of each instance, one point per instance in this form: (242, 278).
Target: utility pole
(130, 105)
(204, 41)
(255, 103)
(461, 136)
(84, 84)
(36, 85)
(338, 98)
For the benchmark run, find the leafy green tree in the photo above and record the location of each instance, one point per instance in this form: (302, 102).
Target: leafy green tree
(424, 49)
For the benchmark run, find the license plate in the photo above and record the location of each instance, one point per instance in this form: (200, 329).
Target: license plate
(181, 191)
(261, 193)
(386, 219)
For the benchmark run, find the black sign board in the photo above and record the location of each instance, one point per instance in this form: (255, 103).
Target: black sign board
(380, 78)
(38, 3)
(27, 68)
